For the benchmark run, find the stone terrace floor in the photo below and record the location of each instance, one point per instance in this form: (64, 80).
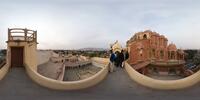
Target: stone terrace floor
(117, 86)
(50, 69)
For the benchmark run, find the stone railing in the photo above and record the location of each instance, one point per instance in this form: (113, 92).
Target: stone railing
(162, 84)
(168, 63)
(100, 62)
(19, 34)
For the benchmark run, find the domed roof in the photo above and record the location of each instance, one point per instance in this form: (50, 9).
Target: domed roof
(172, 47)
(147, 31)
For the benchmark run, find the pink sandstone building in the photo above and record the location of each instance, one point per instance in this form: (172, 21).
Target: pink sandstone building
(148, 46)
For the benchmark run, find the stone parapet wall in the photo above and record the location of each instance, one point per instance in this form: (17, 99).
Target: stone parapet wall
(75, 85)
(4, 71)
(162, 84)
(43, 57)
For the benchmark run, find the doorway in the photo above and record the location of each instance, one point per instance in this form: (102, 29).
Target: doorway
(17, 56)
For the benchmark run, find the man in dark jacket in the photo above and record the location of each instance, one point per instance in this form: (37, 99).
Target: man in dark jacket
(121, 58)
(126, 56)
(117, 59)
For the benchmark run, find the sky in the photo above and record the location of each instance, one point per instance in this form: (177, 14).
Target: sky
(75, 24)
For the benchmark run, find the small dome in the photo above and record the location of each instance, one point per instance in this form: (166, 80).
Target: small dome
(172, 47)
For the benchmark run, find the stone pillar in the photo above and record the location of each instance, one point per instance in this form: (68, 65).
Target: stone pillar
(175, 55)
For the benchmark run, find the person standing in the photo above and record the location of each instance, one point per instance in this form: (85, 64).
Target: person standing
(126, 56)
(121, 58)
(117, 59)
(112, 60)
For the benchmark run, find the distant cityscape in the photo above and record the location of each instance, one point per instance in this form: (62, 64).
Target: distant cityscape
(100, 52)
(90, 52)
(192, 55)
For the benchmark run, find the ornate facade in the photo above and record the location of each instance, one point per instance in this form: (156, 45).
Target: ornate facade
(148, 46)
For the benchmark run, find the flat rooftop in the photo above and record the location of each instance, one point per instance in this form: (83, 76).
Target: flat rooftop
(117, 86)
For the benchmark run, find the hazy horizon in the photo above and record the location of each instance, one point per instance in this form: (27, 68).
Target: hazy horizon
(75, 24)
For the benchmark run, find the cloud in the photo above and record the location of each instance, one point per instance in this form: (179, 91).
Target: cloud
(87, 23)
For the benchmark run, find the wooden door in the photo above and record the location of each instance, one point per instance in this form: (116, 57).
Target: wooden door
(17, 56)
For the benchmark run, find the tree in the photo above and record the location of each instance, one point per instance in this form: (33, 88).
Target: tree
(190, 54)
(196, 58)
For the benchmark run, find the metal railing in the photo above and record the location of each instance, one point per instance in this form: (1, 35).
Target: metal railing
(20, 34)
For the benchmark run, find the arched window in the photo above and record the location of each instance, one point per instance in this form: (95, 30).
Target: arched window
(154, 53)
(172, 71)
(155, 70)
(161, 54)
(172, 55)
(144, 36)
(138, 37)
(169, 57)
